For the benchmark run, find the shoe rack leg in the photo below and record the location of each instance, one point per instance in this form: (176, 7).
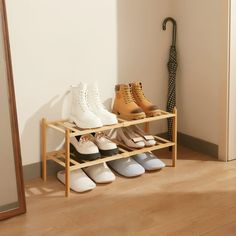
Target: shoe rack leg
(174, 139)
(146, 127)
(67, 158)
(43, 149)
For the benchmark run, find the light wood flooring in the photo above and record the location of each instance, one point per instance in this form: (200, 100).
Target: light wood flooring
(198, 197)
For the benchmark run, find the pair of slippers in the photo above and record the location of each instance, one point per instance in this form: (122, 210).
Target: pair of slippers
(137, 165)
(86, 179)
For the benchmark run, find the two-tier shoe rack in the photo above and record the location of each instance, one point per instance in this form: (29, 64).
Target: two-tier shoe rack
(62, 157)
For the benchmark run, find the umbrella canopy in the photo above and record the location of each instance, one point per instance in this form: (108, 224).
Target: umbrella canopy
(172, 68)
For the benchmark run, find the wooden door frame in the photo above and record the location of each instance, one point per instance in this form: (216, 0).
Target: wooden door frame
(224, 100)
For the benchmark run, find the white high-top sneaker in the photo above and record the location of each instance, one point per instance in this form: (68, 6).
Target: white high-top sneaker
(81, 115)
(96, 106)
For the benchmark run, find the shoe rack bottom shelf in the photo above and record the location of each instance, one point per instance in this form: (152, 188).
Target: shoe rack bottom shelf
(63, 158)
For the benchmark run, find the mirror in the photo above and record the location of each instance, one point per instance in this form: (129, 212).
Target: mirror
(12, 196)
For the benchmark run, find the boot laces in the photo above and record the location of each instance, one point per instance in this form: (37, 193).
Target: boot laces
(81, 99)
(97, 100)
(139, 92)
(128, 95)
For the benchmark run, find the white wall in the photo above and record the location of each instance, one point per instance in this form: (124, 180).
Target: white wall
(58, 43)
(232, 88)
(143, 48)
(202, 52)
(202, 45)
(55, 44)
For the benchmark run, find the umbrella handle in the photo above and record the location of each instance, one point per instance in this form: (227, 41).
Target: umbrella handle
(174, 28)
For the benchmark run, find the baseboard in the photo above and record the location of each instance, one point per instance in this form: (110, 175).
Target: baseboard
(199, 145)
(33, 171)
(196, 144)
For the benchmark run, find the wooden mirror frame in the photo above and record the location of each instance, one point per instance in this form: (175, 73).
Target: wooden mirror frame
(14, 125)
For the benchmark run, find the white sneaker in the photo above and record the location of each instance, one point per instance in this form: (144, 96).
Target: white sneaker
(106, 147)
(79, 181)
(127, 167)
(100, 173)
(130, 138)
(149, 161)
(96, 106)
(81, 115)
(84, 149)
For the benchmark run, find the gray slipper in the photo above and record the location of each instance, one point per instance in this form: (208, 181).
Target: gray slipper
(127, 167)
(149, 161)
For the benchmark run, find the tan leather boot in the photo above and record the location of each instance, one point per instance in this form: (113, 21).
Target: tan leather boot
(124, 105)
(142, 101)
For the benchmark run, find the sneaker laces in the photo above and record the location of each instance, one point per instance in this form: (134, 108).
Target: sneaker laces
(100, 135)
(86, 137)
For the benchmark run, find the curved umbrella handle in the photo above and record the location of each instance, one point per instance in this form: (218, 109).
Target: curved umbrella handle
(174, 28)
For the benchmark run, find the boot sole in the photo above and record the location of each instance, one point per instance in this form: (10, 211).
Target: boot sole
(130, 116)
(153, 113)
(82, 125)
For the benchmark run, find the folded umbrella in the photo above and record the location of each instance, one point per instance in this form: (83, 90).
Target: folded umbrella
(172, 68)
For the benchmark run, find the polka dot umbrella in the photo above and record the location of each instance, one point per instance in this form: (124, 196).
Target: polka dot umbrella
(172, 68)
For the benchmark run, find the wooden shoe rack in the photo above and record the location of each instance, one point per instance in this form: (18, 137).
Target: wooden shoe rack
(62, 157)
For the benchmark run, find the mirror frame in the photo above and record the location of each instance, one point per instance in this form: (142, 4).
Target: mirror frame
(14, 124)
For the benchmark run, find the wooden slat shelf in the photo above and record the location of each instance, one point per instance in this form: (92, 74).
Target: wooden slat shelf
(124, 154)
(62, 157)
(62, 125)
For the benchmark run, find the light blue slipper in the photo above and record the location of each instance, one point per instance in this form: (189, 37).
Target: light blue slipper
(149, 161)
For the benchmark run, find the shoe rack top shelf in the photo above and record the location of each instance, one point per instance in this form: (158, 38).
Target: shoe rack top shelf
(63, 125)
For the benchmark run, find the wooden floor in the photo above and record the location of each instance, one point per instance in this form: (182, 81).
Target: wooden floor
(198, 197)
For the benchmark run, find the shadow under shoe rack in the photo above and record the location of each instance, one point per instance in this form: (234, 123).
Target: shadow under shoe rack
(62, 157)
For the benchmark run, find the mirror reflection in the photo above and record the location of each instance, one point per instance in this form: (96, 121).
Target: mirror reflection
(8, 185)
